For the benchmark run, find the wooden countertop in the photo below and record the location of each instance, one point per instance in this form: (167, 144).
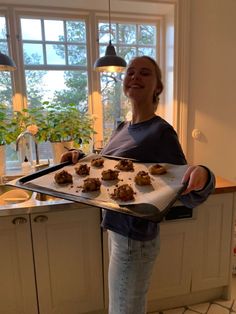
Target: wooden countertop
(224, 186)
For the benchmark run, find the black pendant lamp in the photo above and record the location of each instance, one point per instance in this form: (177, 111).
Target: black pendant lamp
(110, 62)
(6, 63)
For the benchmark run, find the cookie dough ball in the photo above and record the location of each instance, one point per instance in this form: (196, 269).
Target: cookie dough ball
(123, 193)
(63, 177)
(91, 184)
(125, 165)
(82, 170)
(110, 174)
(142, 178)
(157, 169)
(97, 162)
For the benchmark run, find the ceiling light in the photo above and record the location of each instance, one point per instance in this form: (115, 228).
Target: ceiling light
(6, 63)
(110, 62)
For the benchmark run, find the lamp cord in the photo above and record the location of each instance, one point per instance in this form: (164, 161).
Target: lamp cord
(109, 17)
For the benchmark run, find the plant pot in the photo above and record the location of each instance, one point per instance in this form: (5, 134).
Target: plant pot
(58, 148)
(3, 160)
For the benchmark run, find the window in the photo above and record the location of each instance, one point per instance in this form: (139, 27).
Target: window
(55, 61)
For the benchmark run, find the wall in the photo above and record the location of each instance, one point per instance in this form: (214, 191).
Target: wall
(127, 6)
(212, 88)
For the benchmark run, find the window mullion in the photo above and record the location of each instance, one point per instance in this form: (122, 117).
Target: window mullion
(43, 42)
(19, 87)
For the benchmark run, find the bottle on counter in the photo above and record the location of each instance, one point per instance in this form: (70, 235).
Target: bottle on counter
(26, 166)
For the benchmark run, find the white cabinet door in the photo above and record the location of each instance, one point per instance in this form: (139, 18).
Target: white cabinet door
(68, 261)
(172, 271)
(17, 288)
(213, 242)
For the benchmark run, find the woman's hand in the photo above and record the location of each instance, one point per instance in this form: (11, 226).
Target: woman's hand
(72, 156)
(197, 177)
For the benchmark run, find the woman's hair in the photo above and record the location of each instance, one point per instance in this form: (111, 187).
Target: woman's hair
(158, 76)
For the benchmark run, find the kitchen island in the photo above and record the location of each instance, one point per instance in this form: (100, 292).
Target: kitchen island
(54, 257)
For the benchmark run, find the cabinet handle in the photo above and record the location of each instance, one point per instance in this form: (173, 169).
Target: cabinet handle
(19, 220)
(40, 218)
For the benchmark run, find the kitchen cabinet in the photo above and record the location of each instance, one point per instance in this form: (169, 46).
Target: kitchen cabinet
(213, 243)
(17, 288)
(172, 271)
(51, 262)
(194, 264)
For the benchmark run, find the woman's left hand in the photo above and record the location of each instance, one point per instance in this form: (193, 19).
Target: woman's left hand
(197, 177)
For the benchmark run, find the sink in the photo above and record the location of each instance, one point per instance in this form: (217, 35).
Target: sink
(12, 195)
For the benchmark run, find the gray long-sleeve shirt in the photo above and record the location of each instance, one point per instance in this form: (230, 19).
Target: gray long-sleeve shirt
(156, 141)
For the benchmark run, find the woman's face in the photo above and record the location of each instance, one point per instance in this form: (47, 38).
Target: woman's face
(140, 82)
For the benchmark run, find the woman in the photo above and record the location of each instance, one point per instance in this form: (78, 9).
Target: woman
(134, 242)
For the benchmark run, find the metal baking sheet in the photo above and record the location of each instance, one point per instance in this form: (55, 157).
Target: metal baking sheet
(151, 202)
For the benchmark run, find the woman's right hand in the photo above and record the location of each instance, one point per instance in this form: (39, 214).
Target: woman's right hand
(72, 156)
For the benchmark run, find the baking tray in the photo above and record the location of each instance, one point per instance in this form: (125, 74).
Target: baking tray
(144, 207)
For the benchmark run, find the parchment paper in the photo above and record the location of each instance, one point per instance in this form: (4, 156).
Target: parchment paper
(162, 190)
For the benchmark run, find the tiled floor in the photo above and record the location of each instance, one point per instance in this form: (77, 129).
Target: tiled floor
(216, 307)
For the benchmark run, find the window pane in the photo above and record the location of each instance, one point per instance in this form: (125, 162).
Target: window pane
(104, 33)
(6, 88)
(57, 87)
(147, 51)
(102, 50)
(113, 112)
(54, 30)
(77, 55)
(6, 92)
(4, 47)
(127, 33)
(3, 31)
(76, 31)
(127, 53)
(55, 54)
(147, 35)
(31, 29)
(33, 53)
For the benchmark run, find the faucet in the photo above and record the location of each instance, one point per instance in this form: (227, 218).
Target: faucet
(22, 135)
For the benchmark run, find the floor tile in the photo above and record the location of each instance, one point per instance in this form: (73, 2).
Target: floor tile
(217, 309)
(179, 310)
(224, 303)
(234, 306)
(201, 308)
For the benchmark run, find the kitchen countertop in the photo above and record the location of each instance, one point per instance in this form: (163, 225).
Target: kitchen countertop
(224, 186)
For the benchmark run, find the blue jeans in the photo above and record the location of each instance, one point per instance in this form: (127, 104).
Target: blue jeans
(130, 268)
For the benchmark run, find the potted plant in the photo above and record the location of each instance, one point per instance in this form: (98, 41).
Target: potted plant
(61, 124)
(64, 122)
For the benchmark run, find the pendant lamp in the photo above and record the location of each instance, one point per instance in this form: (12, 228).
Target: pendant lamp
(110, 62)
(6, 63)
